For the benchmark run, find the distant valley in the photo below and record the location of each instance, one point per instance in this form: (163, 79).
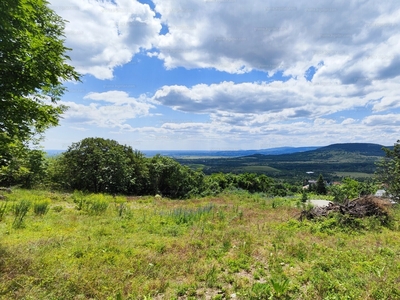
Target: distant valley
(213, 153)
(335, 161)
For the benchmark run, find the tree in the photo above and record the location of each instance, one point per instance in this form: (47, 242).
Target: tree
(321, 188)
(32, 71)
(388, 171)
(169, 178)
(97, 165)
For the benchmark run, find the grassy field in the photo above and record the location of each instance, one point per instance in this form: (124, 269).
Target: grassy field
(234, 246)
(354, 174)
(259, 169)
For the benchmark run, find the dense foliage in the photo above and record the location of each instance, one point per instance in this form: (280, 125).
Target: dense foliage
(388, 171)
(32, 71)
(103, 165)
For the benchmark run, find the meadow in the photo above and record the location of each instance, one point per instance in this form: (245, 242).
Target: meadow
(235, 245)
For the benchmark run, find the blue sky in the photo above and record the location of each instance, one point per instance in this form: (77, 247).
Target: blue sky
(228, 74)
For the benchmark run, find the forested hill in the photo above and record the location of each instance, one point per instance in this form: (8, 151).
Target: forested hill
(350, 159)
(337, 152)
(367, 149)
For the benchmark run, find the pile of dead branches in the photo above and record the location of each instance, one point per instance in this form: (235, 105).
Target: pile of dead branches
(365, 206)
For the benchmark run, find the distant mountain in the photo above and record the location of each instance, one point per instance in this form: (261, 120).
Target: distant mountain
(212, 153)
(350, 159)
(362, 148)
(226, 153)
(336, 152)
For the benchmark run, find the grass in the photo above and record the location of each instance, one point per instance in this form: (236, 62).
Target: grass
(354, 174)
(259, 169)
(209, 248)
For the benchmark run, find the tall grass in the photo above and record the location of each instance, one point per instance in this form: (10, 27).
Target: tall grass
(208, 248)
(189, 216)
(41, 208)
(20, 209)
(3, 209)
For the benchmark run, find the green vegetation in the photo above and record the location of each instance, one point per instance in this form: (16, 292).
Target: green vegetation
(334, 162)
(320, 186)
(99, 165)
(32, 71)
(388, 170)
(236, 234)
(237, 243)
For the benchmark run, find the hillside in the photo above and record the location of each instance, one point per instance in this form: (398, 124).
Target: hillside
(332, 161)
(233, 246)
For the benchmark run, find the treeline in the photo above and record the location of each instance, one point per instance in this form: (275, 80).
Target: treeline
(104, 166)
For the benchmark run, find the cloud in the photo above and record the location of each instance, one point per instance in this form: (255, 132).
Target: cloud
(382, 120)
(105, 115)
(106, 34)
(234, 37)
(247, 103)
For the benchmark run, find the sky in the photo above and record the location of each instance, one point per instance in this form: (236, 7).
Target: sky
(231, 74)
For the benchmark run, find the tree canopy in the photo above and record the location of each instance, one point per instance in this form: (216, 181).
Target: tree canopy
(33, 68)
(97, 165)
(388, 171)
(321, 188)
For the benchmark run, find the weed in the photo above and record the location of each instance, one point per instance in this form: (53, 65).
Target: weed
(189, 216)
(121, 209)
(260, 291)
(79, 199)
(280, 286)
(97, 207)
(212, 277)
(20, 210)
(40, 208)
(57, 208)
(3, 209)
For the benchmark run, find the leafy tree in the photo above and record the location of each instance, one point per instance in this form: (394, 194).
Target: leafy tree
(171, 179)
(97, 165)
(321, 188)
(279, 189)
(388, 171)
(337, 193)
(248, 181)
(21, 165)
(351, 188)
(140, 174)
(32, 71)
